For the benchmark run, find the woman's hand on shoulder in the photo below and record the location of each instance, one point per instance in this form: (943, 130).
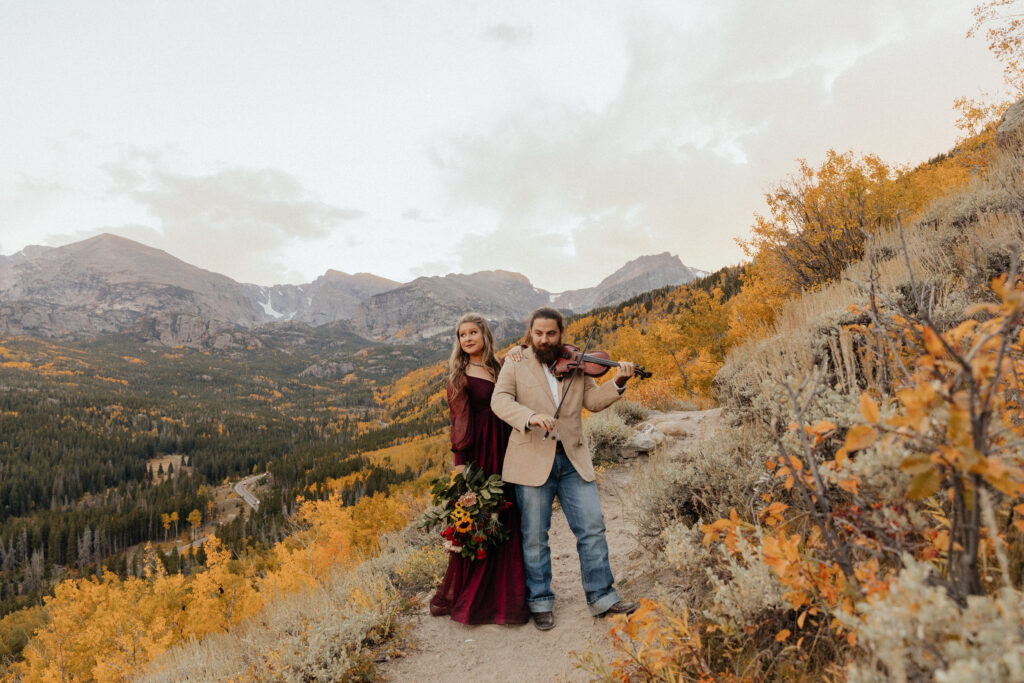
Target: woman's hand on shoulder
(515, 354)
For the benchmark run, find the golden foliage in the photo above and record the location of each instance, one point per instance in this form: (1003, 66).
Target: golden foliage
(1003, 24)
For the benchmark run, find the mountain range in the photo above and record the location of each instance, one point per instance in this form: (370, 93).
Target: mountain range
(108, 284)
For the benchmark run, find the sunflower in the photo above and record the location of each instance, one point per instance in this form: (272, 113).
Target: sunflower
(464, 525)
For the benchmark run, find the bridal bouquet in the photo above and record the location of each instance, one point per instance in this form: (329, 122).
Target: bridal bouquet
(466, 506)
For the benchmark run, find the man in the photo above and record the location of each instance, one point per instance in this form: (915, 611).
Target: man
(548, 457)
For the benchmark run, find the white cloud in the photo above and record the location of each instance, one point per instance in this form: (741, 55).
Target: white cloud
(509, 36)
(557, 139)
(716, 105)
(235, 221)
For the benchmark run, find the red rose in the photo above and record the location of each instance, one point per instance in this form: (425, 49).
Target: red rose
(447, 533)
(481, 553)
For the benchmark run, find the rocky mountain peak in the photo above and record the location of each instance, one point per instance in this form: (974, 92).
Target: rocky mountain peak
(365, 279)
(642, 274)
(430, 305)
(109, 283)
(643, 265)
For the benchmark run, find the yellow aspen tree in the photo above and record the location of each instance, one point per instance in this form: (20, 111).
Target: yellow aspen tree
(221, 598)
(195, 520)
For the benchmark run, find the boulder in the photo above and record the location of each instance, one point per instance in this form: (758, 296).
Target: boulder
(647, 438)
(1010, 133)
(676, 428)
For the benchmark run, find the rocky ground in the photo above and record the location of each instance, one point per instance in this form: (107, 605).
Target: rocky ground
(443, 650)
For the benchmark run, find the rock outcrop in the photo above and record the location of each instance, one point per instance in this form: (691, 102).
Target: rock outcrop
(1010, 133)
(430, 306)
(328, 369)
(180, 329)
(639, 275)
(332, 296)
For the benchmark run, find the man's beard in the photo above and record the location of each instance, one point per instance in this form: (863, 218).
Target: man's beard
(547, 354)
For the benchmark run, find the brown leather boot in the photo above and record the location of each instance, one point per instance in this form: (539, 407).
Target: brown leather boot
(621, 607)
(544, 621)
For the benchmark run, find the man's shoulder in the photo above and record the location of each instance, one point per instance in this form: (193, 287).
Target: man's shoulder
(528, 357)
(511, 368)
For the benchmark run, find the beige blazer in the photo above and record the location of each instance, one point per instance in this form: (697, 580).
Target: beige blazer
(522, 390)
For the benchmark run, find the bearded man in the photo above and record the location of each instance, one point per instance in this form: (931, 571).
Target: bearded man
(549, 457)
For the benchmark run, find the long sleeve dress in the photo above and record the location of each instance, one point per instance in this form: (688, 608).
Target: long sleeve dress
(491, 590)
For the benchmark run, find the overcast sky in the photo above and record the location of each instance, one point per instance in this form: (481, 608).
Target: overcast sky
(270, 141)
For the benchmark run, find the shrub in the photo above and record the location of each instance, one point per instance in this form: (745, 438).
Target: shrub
(607, 435)
(423, 569)
(631, 412)
(705, 481)
(919, 633)
(745, 590)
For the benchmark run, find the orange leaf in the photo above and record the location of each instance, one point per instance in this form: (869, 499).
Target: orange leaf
(860, 436)
(924, 484)
(974, 309)
(823, 427)
(933, 343)
(849, 485)
(868, 409)
(782, 635)
(916, 464)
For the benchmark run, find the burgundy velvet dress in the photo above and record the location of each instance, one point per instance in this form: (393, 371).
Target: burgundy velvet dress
(491, 590)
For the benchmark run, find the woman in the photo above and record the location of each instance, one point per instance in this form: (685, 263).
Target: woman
(491, 590)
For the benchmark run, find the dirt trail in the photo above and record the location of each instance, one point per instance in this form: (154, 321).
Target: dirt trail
(444, 650)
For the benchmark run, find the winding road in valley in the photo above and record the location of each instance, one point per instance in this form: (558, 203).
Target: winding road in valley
(242, 489)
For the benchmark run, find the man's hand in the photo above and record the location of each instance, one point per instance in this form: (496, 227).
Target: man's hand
(624, 372)
(545, 422)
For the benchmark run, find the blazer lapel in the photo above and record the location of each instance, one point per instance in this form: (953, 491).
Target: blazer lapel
(538, 376)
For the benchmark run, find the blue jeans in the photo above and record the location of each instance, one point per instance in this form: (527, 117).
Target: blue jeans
(583, 512)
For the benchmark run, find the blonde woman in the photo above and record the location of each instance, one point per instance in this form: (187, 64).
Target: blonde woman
(491, 590)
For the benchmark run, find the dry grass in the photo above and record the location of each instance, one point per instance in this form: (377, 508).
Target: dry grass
(956, 247)
(328, 634)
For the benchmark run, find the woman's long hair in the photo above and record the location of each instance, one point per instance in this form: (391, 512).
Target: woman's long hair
(459, 359)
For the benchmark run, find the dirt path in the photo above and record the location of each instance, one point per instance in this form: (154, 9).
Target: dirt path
(448, 651)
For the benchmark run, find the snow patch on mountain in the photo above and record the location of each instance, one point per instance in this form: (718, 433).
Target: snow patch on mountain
(268, 307)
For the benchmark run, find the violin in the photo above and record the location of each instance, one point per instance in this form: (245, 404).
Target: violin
(592, 363)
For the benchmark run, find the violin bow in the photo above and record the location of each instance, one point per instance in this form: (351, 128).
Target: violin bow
(572, 379)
